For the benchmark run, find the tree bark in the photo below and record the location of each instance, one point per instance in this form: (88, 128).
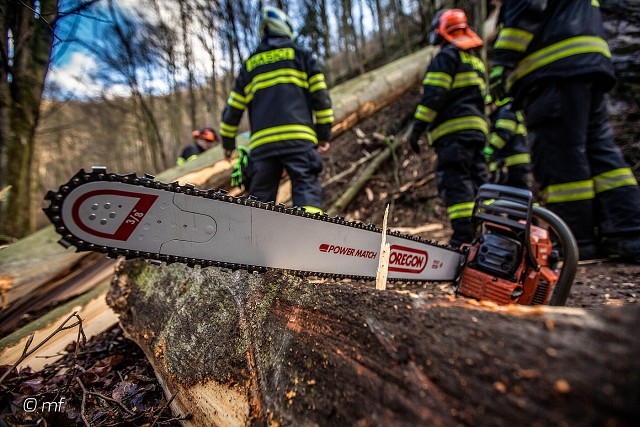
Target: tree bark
(242, 349)
(21, 86)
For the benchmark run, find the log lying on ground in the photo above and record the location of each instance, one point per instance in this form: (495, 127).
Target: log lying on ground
(242, 348)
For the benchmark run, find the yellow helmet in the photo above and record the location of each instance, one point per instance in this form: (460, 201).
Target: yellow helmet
(276, 21)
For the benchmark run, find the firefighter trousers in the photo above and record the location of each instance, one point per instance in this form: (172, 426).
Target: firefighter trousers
(579, 169)
(460, 172)
(303, 169)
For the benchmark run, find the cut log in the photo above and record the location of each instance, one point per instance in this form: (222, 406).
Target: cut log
(246, 349)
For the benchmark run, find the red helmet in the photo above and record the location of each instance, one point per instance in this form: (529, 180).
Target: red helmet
(453, 26)
(207, 134)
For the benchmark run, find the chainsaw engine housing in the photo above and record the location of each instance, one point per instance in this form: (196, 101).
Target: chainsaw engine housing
(511, 261)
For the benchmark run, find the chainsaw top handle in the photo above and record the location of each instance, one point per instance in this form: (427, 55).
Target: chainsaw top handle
(514, 212)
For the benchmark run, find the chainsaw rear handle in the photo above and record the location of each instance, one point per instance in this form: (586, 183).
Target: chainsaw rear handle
(569, 253)
(566, 241)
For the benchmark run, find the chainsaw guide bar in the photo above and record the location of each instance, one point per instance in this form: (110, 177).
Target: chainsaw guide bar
(138, 217)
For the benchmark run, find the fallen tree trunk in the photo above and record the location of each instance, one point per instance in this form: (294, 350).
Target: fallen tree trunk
(242, 349)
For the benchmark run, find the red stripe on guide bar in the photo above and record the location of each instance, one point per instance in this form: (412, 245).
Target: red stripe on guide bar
(145, 201)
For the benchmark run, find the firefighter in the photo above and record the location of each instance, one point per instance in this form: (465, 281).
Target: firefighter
(452, 111)
(203, 140)
(507, 153)
(290, 114)
(552, 57)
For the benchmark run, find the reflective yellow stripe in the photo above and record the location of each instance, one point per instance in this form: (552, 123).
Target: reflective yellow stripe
(614, 179)
(270, 57)
(573, 46)
(181, 160)
(509, 125)
(497, 141)
(425, 114)
(470, 78)
(324, 116)
(569, 192)
(461, 210)
(595, 3)
(312, 209)
(513, 39)
(228, 130)
(459, 124)
(518, 159)
(282, 133)
(285, 75)
(318, 86)
(437, 79)
(238, 101)
(521, 130)
(236, 96)
(316, 78)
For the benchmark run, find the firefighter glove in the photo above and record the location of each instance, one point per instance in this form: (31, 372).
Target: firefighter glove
(498, 82)
(488, 153)
(239, 169)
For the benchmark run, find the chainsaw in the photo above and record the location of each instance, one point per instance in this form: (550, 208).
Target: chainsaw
(511, 260)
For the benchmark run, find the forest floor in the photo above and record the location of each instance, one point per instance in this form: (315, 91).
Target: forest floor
(113, 383)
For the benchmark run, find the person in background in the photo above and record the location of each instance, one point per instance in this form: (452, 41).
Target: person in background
(452, 111)
(507, 153)
(551, 56)
(290, 115)
(203, 140)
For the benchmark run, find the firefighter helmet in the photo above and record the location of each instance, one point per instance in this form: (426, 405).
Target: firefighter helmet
(452, 25)
(207, 134)
(274, 21)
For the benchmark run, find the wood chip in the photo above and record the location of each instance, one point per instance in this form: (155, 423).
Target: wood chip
(370, 195)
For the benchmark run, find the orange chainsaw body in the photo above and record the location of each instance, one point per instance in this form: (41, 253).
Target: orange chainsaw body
(525, 285)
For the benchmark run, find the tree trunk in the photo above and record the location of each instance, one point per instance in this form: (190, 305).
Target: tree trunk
(381, 29)
(186, 19)
(22, 83)
(326, 35)
(242, 349)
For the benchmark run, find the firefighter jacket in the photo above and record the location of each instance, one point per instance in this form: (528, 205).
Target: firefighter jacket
(285, 92)
(542, 39)
(190, 152)
(453, 97)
